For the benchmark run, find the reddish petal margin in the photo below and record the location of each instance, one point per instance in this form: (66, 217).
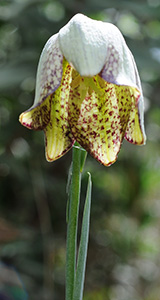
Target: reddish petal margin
(98, 122)
(37, 117)
(120, 69)
(52, 117)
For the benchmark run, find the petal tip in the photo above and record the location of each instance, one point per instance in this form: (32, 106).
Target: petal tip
(24, 120)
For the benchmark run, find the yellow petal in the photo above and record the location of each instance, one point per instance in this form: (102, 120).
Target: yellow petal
(52, 117)
(58, 136)
(134, 132)
(37, 117)
(99, 121)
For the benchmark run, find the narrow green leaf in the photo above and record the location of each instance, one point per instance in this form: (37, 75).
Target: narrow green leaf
(83, 159)
(83, 156)
(73, 210)
(82, 255)
(69, 180)
(68, 187)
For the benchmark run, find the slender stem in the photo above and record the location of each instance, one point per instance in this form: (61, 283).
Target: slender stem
(74, 196)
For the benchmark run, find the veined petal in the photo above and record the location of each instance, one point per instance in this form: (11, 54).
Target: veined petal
(38, 116)
(98, 122)
(140, 104)
(134, 130)
(58, 136)
(49, 73)
(52, 116)
(120, 69)
(49, 76)
(98, 102)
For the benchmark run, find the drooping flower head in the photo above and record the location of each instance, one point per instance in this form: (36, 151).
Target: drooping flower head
(88, 90)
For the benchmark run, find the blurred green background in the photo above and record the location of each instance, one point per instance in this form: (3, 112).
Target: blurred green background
(124, 247)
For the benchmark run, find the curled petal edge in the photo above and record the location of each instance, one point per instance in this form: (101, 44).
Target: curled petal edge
(51, 116)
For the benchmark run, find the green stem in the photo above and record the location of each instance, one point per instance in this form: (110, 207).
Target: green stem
(74, 196)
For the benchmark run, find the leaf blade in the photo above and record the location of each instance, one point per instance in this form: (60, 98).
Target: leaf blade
(82, 255)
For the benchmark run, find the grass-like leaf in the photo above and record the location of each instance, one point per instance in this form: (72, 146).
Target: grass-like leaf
(82, 255)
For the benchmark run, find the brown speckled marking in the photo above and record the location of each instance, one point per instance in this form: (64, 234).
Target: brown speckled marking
(49, 70)
(58, 136)
(99, 121)
(38, 117)
(133, 130)
(96, 113)
(51, 115)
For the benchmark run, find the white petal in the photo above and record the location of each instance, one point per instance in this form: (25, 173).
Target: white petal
(83, 42)
(119, 67)
(49, 73)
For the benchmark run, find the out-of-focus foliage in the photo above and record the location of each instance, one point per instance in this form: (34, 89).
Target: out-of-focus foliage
(124, 249)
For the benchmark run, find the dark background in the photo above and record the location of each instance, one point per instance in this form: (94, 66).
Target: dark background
(124, 247)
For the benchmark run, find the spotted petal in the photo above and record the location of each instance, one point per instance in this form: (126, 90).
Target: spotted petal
(94, 47)
(59, 138)
(98, 115)
(51, 115)
(120, 69)
(99, 103)
(49, 73)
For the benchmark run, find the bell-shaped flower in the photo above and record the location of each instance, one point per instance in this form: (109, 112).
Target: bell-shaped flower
(88, 90)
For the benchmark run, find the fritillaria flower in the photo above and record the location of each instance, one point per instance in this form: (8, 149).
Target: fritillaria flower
(88, 90)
